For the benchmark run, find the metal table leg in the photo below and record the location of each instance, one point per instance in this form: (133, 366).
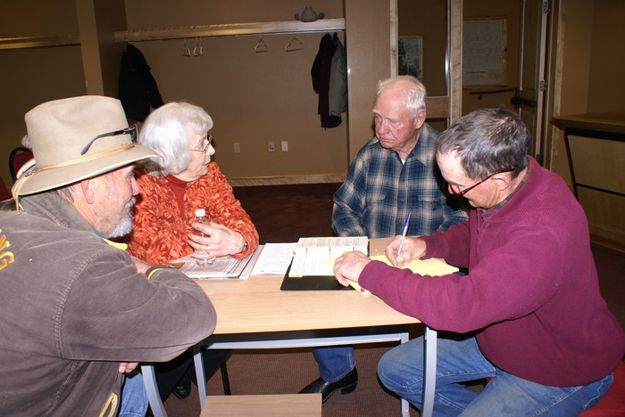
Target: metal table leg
(430, 372)
(154, 398)
(198, 363)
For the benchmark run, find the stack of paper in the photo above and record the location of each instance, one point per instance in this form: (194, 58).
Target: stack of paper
(223, 267)
(316, 255)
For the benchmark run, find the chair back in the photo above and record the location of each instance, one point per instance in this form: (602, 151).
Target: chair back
(18, 157)
(5, 194)
(612, 404)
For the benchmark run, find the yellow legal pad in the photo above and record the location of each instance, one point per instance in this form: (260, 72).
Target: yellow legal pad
(432, 266)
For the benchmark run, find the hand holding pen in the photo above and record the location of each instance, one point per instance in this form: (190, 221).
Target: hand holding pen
(403, 237)
(408, 248)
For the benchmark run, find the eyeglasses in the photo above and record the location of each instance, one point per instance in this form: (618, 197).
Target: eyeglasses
(466, 190)
(132, 131)
(206, 143)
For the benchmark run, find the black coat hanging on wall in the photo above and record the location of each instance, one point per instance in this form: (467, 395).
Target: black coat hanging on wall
(137, 88)
(329, 78)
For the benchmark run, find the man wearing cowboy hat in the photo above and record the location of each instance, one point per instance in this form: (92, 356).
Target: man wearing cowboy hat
(76, 312)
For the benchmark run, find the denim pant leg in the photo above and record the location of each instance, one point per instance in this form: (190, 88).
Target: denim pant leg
(511, 396)
(459, 359)
(334, 361)
(134, 401)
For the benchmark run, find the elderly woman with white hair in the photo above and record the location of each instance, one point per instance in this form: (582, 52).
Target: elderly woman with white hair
(185, 180)
(164, 226)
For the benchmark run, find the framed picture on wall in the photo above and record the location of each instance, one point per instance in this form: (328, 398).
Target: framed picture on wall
(410, 54)
(484, 46)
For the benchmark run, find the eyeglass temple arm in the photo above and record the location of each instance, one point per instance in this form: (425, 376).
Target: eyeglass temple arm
(103, 135)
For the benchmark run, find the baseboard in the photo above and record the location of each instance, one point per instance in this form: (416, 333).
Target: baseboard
(286, 179)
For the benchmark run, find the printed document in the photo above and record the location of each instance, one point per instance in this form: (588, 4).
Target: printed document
(224, 267)
(274, 259)
(316, 255)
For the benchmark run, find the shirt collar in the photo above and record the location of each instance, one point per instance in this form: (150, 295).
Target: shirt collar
(489, 212)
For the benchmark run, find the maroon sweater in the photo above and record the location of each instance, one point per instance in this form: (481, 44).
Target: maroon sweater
(531, 294)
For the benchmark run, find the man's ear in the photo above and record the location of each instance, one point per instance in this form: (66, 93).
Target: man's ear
(503, 180)
(420, 119)
(89, 188)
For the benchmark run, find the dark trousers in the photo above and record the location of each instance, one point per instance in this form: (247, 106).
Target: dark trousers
(169, 374)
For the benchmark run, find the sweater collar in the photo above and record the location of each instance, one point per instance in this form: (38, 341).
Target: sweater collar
(489, 212)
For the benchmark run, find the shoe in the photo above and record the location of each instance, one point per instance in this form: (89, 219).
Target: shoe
(347, 384)
(183, 388)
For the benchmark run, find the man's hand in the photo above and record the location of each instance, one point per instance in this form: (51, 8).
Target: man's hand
(349, 266)
(413, 248)
(127, 367)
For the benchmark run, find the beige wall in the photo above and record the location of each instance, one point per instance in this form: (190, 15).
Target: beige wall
(32, 76)
(592, 56)
(607, 59)
(427, 18)
(368, 61)
(573, 72)
(254, 98)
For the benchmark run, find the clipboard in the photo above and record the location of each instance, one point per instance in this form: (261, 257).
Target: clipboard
(310, 283)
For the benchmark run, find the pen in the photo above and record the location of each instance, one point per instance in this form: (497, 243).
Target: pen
(403, 235)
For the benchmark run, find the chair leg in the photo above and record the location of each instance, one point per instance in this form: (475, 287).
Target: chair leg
(224, 378)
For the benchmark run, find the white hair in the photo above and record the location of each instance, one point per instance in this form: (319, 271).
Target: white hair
(414, 93)
(166, 129)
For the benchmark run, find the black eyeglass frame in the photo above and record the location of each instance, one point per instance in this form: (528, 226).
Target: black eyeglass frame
(466, 190)
(132, 131)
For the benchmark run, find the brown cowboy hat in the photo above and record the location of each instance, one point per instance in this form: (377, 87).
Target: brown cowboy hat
(77, 138)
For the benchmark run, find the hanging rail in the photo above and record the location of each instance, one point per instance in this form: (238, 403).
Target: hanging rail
(232, 29)
(21, 42)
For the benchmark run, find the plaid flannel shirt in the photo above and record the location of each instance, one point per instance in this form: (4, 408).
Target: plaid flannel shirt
(380, 191)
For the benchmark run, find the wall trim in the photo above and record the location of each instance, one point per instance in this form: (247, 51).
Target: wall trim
(286, 179)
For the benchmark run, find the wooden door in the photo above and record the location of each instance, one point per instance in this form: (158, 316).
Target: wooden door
(529, 99)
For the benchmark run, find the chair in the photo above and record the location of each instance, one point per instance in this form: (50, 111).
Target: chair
(612, 404)
(18, 157)
(5, 194)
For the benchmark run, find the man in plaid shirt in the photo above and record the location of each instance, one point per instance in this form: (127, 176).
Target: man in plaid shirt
(393, 175)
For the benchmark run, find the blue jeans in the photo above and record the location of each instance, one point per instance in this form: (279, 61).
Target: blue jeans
(460, 360)
(134, 401)
(334, 361)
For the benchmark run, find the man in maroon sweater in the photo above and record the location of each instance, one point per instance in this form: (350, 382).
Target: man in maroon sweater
(529, 311)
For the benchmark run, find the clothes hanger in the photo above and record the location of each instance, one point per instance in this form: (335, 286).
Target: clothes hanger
(198, 49)
(186, 51)
(261, 46)
(294, 45)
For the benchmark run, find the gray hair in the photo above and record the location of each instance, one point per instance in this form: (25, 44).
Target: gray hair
(166, 129)
(487, 141)
(414, 93)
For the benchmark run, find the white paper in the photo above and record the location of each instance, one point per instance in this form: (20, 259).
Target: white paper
(316, 255)
(274, 259)
(223, 267)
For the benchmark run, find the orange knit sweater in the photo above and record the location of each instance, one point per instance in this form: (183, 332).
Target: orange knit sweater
(160, 231)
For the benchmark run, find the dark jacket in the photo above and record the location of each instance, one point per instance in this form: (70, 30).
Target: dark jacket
(72, 307)
(329, 78)
(137, 87)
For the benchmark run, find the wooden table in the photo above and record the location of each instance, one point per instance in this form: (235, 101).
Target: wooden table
(256, 314)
